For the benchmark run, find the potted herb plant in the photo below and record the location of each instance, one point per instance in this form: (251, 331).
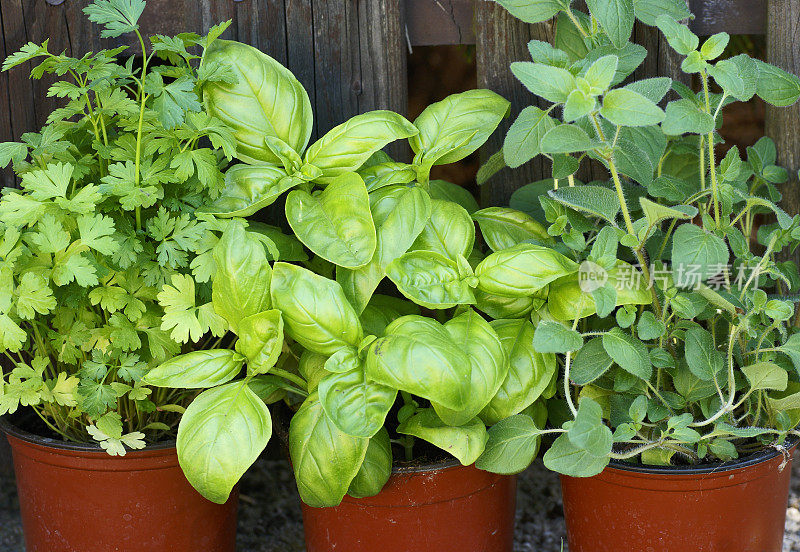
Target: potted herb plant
(679, 404)
(106, 215)
(379, 383)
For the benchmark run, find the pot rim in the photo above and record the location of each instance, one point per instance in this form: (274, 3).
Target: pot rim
(9, 428)
(759, 457)
(445, 464)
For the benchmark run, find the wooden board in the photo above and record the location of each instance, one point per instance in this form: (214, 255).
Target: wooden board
(349, 54)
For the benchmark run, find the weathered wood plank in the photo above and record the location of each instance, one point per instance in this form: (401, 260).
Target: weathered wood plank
(436, 22)
(503, 39)
(731, 16)
(783, 50)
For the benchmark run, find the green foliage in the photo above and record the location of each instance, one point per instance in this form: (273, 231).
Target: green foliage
(674, 332)
(104, 262)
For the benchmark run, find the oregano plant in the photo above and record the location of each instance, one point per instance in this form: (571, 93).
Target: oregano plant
(676, 336)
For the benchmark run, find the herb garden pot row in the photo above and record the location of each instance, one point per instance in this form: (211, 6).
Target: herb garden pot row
(77, 497)
(739, 505)
(445, 507)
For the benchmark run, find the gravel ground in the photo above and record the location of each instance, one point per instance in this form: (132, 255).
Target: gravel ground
(269, 518)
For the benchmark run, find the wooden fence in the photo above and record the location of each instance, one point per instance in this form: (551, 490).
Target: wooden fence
(351, 54)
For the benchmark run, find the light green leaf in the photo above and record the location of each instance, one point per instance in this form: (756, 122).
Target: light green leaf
(250, 188)
(624, 107)
(220, 435)
(487, 357)
(590, 362)
(355, 404)
(512, 445)
(399, 214)
(522, 270)
(346, 147)
(315, 310)
(529, 372)
(449, 231)
(241, 282)
(776, 86)
(532, 11)
(568, 139)
(502, 227)
(595, 200)
(265, 99)
(336, 224)
(523, 140)
(261, 340)
(419, 355)
(453, 128)
(647, 11)
(325, 459)
(431, 280)
(566, 458)
(197, 370)
(679, 36)
(465, 442)
(375, 469)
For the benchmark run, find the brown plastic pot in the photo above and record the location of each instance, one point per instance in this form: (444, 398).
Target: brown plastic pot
(77, 498)
(443, 508)
(737, 506)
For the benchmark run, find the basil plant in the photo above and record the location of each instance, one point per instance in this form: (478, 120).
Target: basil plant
(676, 336)
(443, 350)
(107, 215)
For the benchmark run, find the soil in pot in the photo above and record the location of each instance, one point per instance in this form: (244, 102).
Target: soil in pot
(77, 498)
(737, 506)
(444, 507)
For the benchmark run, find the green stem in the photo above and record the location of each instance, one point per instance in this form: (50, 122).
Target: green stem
(297, 380)
(143, 99)
(711, 161)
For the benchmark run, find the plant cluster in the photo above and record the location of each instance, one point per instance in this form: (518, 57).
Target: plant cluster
(316, 333)
(675, 336)
(106, 215)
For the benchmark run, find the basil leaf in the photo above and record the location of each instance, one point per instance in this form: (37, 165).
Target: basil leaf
(430, 280)
(522, 270)
(465, 442)
(399, 213)
(336, 224)
(261, 340)
(241, 283)
(315, 310)
(197, 370)
(356, 405)
(248, 189)
(325, 459)
(220, 435)
(529, 372)
(265, 99)
(503, 228)
(346, 147)
(418, 355)
(487, 357)
(375, 469)
(449, 231)
(455, 127)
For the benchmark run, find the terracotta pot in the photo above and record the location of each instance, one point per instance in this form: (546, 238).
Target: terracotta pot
(77, 498)
(737, 506)
(441, 508)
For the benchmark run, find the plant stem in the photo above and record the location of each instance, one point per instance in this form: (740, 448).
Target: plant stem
(577, 23)
(297, 380)
(143, 99)
(711, 161)
(567, 389)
